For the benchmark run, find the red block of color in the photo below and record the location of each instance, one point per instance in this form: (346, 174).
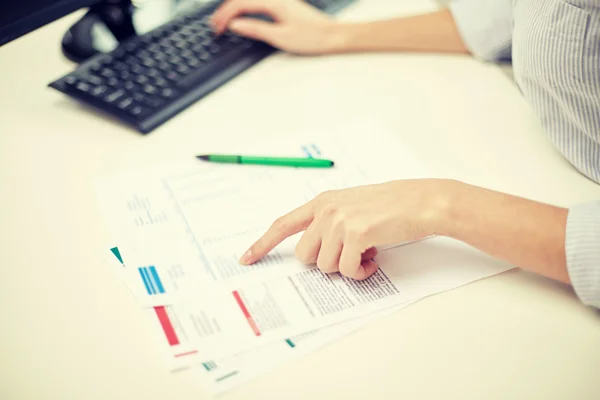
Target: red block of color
(246, 313)
(163, 318)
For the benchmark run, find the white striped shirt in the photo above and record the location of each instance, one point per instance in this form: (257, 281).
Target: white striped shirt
(554, 46)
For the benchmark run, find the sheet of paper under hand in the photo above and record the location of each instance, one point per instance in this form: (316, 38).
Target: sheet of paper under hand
(185, 225)
(232, 372)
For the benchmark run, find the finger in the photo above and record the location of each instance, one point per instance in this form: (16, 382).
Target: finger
(365, 270)
(216, 16)
(309, 245)
(254, 29)
(235, 8)
(228, 7)
(288, 225)
(329, 254)
(351, 261)
(369, 253)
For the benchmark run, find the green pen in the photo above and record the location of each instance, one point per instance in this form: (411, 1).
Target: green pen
(264, 160)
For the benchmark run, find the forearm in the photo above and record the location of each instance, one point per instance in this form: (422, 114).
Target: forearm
(528, 234)
(432, 32)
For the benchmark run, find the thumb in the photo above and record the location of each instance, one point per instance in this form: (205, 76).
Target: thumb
(254, 29)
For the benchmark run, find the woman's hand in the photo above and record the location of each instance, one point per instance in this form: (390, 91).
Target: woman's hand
(297, 27)
(343, 227)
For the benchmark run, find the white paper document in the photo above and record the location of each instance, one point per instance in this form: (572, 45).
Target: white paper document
(222, 375)
(183, 226)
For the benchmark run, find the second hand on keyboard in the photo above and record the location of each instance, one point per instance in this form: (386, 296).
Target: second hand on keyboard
(152, 77)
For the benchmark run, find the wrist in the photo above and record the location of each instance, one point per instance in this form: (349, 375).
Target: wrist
(442, 209)
(342, 37)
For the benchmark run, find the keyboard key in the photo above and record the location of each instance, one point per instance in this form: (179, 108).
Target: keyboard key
(176, 37)
(94, 79)
(173, 76)
(137, 111)
(148, 62)
(197, 48)
(153, 73)
(95, 68)
(153, 102)
(84, 87)
(178, 44)
(194, 63)
(130, 46)
(186, 31)
(143, 54)
(130, 86)
(124, 75)
(160, 56)
(70, 80)
(137, 69)
(130, 61)
(111, 98)
(187, 54)
(182, 69)
(107, 73)
(160, 82)
(163, 66)
(201, 74)
(141, 79)
(119, 53)
(139, 97)
(145, 39)
(120, 66)
(126, 102)
(112, 82)
(168, 93)
(99, 90)
(175, 60)
(150, 89)
(154, 48)
(161, 32)
(196, 39)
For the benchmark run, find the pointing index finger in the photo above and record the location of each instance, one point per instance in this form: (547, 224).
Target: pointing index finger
(284, 227)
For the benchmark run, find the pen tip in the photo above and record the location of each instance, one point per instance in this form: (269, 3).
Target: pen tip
(203, 157)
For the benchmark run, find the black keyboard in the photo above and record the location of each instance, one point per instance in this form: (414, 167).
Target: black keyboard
(150, 78)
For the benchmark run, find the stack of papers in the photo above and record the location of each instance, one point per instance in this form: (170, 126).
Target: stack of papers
(180, 229)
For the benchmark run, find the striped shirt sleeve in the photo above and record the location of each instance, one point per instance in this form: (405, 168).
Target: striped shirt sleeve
(582, 248)
(485, 27)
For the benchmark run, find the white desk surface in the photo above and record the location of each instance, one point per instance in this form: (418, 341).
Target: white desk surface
(61, 336)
